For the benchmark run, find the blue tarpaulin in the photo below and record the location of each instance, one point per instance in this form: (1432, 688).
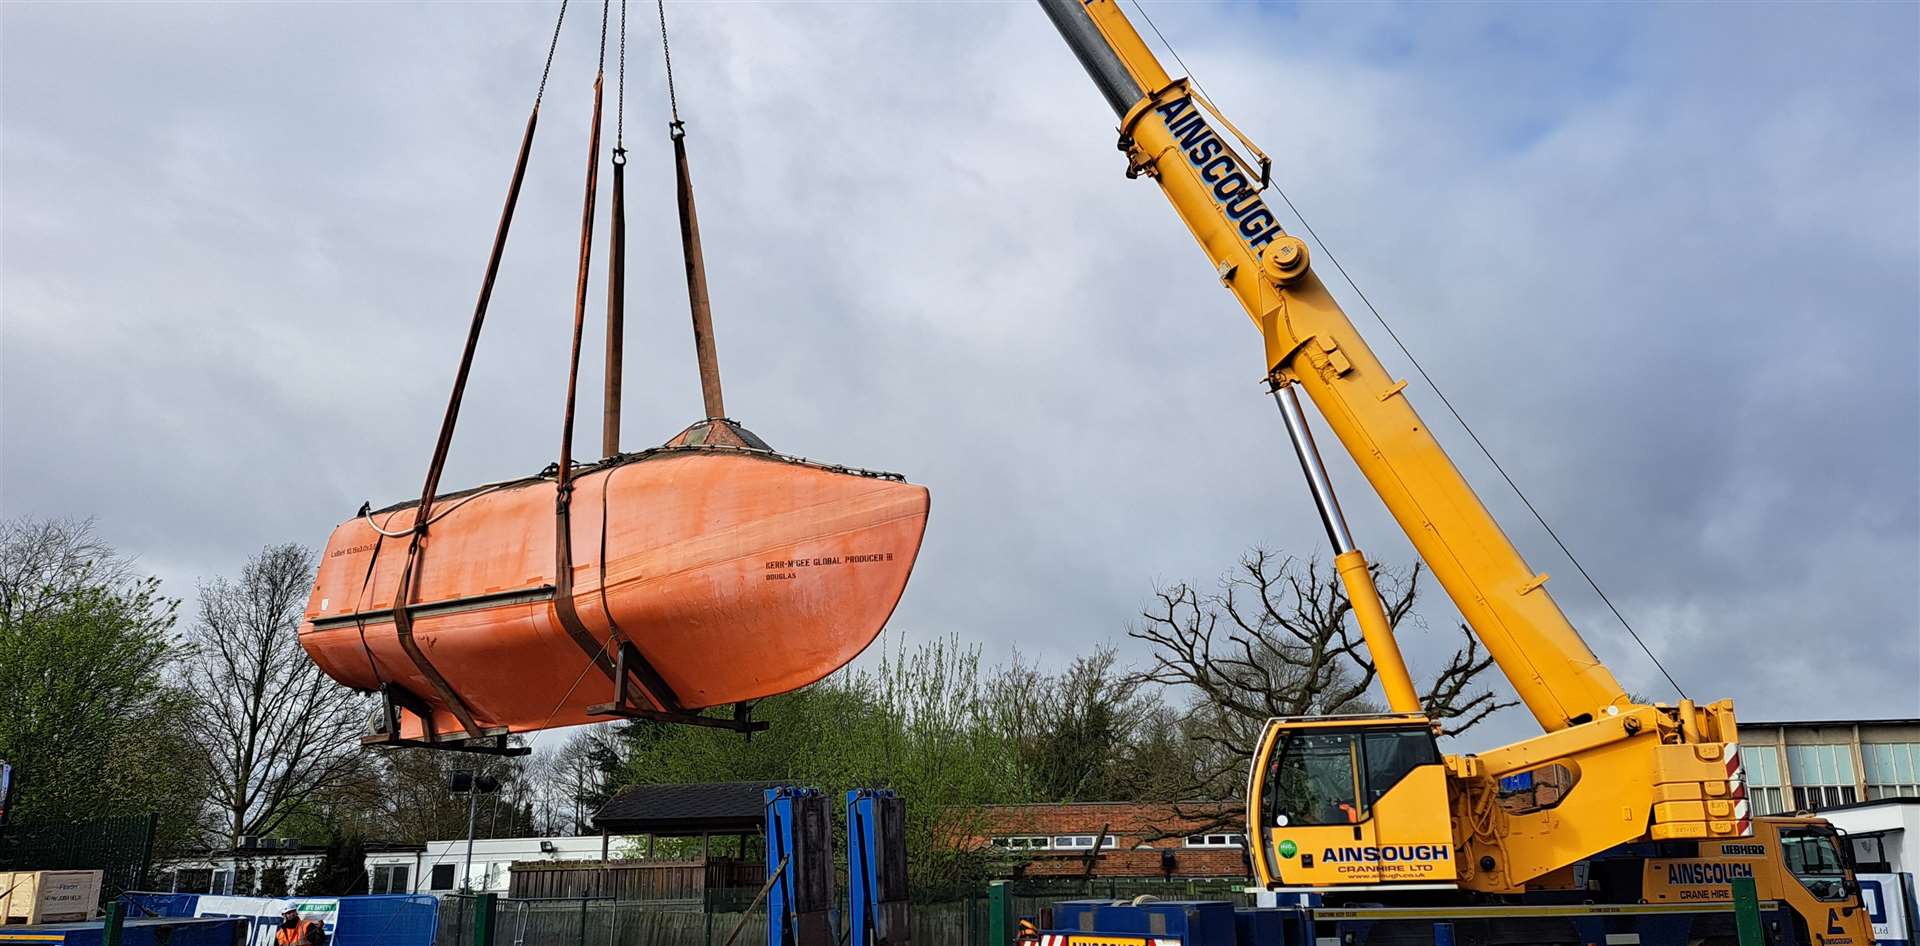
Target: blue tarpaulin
(378, 920)
(174, 931)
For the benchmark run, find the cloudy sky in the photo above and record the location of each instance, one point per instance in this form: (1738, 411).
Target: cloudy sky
(1664, 258)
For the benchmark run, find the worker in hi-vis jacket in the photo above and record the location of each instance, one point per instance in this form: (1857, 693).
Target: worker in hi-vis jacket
(295, 931)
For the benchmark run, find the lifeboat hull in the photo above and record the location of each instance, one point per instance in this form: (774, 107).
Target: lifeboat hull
(734, 574)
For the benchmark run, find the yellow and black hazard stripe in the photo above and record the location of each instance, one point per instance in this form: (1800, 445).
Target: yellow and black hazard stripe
(1105, 939)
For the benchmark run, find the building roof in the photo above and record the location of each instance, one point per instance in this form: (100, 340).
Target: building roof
(686, 809)
(1791, 723)
(389, 847)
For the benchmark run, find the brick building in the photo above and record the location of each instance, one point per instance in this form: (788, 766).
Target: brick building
(1114, 840)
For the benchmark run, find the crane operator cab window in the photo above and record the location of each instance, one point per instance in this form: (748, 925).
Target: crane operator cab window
(1313, 781)
(1355, 800)
(1813, 858)
(1322, 777)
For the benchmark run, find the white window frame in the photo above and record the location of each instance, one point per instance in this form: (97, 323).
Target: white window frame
(1053, 842)
(1217, 839)
(1816, 797)
(1762, 767)
(1821, 764)
(1893, 768)
(374, 884)
(1023, 842)
(1081, 842)
(482, 876)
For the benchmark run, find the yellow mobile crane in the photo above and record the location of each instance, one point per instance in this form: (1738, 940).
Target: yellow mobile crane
(1368, 802)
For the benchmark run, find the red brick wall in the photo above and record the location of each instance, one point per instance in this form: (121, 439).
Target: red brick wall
(1161, 829)
(1188, 863)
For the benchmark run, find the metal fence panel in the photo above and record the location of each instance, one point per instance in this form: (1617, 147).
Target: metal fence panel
(121, 848)
(601, 921)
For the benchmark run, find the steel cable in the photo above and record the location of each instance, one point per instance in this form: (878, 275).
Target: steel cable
(1477, 442)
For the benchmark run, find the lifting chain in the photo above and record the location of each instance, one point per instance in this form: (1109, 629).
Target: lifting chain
(666, 52)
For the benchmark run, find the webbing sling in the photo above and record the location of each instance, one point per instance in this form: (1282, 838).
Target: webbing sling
(423, 514)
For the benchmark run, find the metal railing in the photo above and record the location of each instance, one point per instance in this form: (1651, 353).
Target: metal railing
(120, 847)
(600, 921)
(709, 921)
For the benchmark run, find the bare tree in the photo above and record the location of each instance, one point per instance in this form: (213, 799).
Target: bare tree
(275, 733)
(569, 783)
(1276, 640)
(403, 795)
(43, 562)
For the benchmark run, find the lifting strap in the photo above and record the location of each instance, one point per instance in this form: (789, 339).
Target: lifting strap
(616, 265)
(616, 307)
(703, 345)
(696, 280)
(658, 692)
(402, 600)
(423, 514)
(563, 606)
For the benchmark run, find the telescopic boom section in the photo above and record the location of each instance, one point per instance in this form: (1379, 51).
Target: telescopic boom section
(1311, 343)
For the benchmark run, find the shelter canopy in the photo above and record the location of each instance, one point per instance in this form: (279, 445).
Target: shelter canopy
(686, 810)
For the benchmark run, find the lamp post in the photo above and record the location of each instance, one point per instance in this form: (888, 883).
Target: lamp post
(472, 784)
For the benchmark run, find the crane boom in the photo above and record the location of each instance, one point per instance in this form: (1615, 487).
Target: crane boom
(1360, 803)
(1310, 342)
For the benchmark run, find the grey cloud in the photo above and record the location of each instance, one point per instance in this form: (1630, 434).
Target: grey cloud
(1673, 282)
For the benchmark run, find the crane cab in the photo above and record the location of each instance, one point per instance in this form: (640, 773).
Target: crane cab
(1350, 801)
(1800, 861)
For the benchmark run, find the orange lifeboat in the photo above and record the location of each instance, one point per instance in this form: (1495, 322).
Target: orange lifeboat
(707, 573)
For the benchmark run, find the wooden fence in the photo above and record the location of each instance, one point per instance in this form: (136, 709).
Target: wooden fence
(656, 882)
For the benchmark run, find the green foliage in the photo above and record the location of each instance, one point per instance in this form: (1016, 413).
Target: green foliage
(950, 737)
(1075, 734)
(342, 869)
(273, 881)
(922, 724)
(90, 715)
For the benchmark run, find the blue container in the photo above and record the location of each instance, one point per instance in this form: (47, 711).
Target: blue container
(1273, 926)
(377, 920)
(1185, 922)
(172, 931)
